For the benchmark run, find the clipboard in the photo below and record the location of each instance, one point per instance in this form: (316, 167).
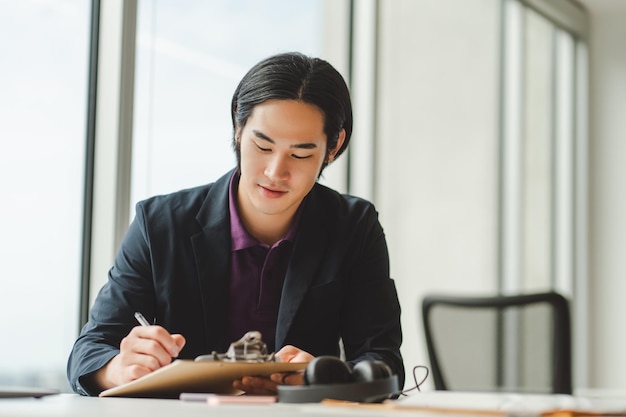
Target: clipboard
(186, 375)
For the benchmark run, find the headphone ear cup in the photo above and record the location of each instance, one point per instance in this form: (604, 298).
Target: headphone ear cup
(367, 371)
(327, 370)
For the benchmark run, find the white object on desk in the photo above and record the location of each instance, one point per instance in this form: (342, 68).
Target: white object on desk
(510, 403)
(17, 392)
(216, 399)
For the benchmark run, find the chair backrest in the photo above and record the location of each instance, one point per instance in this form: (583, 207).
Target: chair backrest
(514, 343)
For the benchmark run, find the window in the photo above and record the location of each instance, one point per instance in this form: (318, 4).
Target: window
(541, 97)
(542, 182)
(190, 58)
(43, 79)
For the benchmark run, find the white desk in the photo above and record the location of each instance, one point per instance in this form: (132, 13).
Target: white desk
(426, 404)
(70, 405)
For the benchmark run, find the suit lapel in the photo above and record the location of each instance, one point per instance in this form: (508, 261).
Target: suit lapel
(305, 261)
(211, 249)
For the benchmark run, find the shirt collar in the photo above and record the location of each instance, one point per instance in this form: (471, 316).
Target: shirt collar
(240, 237)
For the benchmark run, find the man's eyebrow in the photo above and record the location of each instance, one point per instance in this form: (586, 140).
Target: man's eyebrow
(263, 136)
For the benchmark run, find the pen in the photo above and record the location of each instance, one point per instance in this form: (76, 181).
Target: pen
(141, 319)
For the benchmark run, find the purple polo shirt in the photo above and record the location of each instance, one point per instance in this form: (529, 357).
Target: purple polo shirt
(256, 276)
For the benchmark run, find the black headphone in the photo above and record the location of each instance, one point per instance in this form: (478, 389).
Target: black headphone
(328, 377)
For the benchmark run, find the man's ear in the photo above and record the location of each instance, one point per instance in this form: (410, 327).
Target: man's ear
(340, 140)
(237, 138)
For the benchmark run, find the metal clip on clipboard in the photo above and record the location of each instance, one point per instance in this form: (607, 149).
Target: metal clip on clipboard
(250, 348)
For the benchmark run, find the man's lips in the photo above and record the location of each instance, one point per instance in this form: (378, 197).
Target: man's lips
(272, 192)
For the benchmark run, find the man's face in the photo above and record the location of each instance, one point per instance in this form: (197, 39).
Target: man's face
(283, 146)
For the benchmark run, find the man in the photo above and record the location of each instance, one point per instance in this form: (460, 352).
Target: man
(263, 248)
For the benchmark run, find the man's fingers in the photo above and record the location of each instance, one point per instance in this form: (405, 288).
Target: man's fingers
(157, 333)
(288, 378)
(144, 351)
(136, 371)
(291, 353)
(287, 353)
(180, 342)
(253, 385)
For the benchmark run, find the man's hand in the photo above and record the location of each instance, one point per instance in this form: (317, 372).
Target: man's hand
(145, 349)
(255, 385)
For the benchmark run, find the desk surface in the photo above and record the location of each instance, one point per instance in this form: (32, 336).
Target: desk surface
(426, 404)
(70, 405)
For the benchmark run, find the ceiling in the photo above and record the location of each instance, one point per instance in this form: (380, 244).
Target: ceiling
(603, 6)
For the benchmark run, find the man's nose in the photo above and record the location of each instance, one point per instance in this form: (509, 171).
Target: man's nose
(277, 167)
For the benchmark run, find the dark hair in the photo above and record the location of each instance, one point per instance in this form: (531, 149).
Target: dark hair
(294, 76)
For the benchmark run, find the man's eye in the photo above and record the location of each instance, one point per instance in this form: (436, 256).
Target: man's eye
(301, 157)
(262, 149)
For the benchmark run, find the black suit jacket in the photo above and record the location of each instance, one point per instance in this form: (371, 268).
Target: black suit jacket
(174, 266)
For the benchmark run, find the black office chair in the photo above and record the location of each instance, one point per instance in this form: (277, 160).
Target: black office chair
(515, 343)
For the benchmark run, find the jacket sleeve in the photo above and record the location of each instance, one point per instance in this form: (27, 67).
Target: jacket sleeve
(128, 289)
(371, 314)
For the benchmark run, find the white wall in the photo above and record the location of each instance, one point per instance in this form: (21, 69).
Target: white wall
(436, 183)
(437, 158)
(607, 193)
